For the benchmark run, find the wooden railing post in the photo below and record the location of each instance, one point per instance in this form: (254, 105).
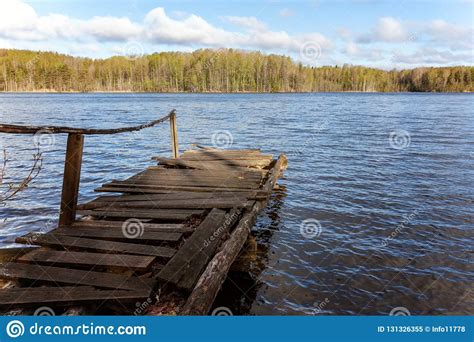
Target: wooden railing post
(174, 135)
(72, 175)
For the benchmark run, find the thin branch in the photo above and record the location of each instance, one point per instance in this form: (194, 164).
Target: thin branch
(13, 189)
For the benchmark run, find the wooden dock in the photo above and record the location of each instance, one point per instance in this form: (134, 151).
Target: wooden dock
(166, 236)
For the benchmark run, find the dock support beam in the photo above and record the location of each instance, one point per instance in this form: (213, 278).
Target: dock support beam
(72, 175)
(202, 297)
(174, 135)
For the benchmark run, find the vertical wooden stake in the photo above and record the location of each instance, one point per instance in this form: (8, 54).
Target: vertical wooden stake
(72, 175)
(174, 136)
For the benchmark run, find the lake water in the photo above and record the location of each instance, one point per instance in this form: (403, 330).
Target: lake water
(375, 212)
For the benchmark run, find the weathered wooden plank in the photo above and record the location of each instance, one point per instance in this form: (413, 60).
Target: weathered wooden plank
(171, 204)
(162, 177)
(218, 173)
(217, 150)
(211, 280)
(36, 296)
(190, 180)
(244, 174)
(113, 233)
(221, 156)
(201, 245)
(164, 189)
(59, 275)
(178, 196)
(160, 184)
(149, 227)
(96, 245)
(159, 214)
(197, 265)
(42, 255)
(213, 165)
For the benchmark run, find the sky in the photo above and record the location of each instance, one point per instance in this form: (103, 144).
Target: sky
(383, 34)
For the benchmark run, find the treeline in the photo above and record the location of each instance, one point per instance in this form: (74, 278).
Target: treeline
(207, 70)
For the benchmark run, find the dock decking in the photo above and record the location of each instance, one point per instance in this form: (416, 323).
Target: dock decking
(174, 228)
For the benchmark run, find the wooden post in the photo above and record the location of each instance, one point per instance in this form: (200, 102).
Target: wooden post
(72, 175)
(174, 135)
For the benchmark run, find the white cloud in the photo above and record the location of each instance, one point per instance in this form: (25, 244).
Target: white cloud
(20, 22)
(250, 23)
(111, 28)
(435, 41)
(432, 56)
(388, 30)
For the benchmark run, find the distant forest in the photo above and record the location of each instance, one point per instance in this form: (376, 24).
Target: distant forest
(206, 70)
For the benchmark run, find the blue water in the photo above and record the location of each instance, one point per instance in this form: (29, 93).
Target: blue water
(375, 211)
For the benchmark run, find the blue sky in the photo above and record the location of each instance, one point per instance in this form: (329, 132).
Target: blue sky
(384, 34)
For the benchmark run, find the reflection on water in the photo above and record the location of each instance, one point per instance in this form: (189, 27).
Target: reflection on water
(388, 178)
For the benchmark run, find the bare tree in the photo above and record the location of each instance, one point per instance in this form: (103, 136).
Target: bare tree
(9, 190)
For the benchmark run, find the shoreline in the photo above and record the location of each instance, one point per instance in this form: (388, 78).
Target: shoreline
(230, 93)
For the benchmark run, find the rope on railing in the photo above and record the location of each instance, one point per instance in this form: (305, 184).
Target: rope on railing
(19, 129)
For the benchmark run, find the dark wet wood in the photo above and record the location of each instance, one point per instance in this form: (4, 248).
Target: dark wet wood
(63, 258)
(211, 280)
(201, 245)
(171, 204)
(174, 135)
(221, 165)
(185, 209)
(148, 227)
(114, 233)
(66, 295)
(72, 176)
(59, 275)
(95, 245)
(161, 214)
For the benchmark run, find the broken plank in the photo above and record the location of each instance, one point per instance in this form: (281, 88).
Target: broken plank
(97, 245)
(113, 233)
(201, 245)
(172, 204)
(159, 214)
(43, 255)
(149, 227)
(177, 196)
(59, 275)
(150, 183)
(212, 156)
(165, 189)
(35, 296)
(211, 165)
